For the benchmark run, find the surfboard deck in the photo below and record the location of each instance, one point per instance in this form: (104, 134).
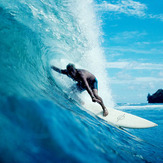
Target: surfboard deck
(119, 118)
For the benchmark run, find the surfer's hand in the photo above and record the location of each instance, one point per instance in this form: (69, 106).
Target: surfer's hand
(94, 99)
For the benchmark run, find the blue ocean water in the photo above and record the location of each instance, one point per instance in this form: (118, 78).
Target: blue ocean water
(39, 120)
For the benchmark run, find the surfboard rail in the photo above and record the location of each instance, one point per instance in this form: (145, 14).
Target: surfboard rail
(120, 119)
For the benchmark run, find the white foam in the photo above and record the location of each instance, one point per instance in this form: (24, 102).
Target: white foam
(93, 58)
(86, 52)
(141, 106)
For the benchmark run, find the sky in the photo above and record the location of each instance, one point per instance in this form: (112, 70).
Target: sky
(133, 46)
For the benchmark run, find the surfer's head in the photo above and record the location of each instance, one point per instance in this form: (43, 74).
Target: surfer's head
(71, 70)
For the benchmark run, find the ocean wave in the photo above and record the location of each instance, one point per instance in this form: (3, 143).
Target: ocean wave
(40, 121)
(37, 34)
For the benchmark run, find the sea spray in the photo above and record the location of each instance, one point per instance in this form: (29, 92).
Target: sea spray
(86, 52)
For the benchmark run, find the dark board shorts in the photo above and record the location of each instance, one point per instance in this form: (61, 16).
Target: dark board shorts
(93, 85)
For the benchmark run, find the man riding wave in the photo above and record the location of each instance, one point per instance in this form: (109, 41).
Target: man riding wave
(85, 81)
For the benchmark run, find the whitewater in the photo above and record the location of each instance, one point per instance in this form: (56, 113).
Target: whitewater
(40, 120)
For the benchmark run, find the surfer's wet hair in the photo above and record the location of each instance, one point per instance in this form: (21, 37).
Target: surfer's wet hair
(70, 67)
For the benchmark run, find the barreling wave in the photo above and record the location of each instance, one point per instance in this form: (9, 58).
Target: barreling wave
(36, 34)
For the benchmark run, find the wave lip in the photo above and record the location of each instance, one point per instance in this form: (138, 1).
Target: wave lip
(37, 33)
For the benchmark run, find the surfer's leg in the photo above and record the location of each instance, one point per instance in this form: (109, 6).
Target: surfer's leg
(105, 111)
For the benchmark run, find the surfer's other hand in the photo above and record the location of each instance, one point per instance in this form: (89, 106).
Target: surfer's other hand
(94, 99)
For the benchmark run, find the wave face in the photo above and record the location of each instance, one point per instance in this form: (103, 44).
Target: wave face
(35, 34)
(39, 121)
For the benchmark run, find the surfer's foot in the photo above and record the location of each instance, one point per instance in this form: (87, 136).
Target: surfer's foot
(105, 112)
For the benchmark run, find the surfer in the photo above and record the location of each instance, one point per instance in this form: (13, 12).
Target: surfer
(85, 81)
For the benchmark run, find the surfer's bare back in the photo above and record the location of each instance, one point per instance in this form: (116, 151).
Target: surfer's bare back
(85, 81)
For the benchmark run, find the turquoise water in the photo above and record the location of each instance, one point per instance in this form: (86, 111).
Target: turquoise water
(39, 120)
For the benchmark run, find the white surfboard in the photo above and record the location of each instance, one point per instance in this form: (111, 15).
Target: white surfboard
(119, 118)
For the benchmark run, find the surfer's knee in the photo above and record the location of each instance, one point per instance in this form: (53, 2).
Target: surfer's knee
(98, 97)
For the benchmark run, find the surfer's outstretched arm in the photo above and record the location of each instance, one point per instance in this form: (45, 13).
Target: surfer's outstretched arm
(59, 70)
